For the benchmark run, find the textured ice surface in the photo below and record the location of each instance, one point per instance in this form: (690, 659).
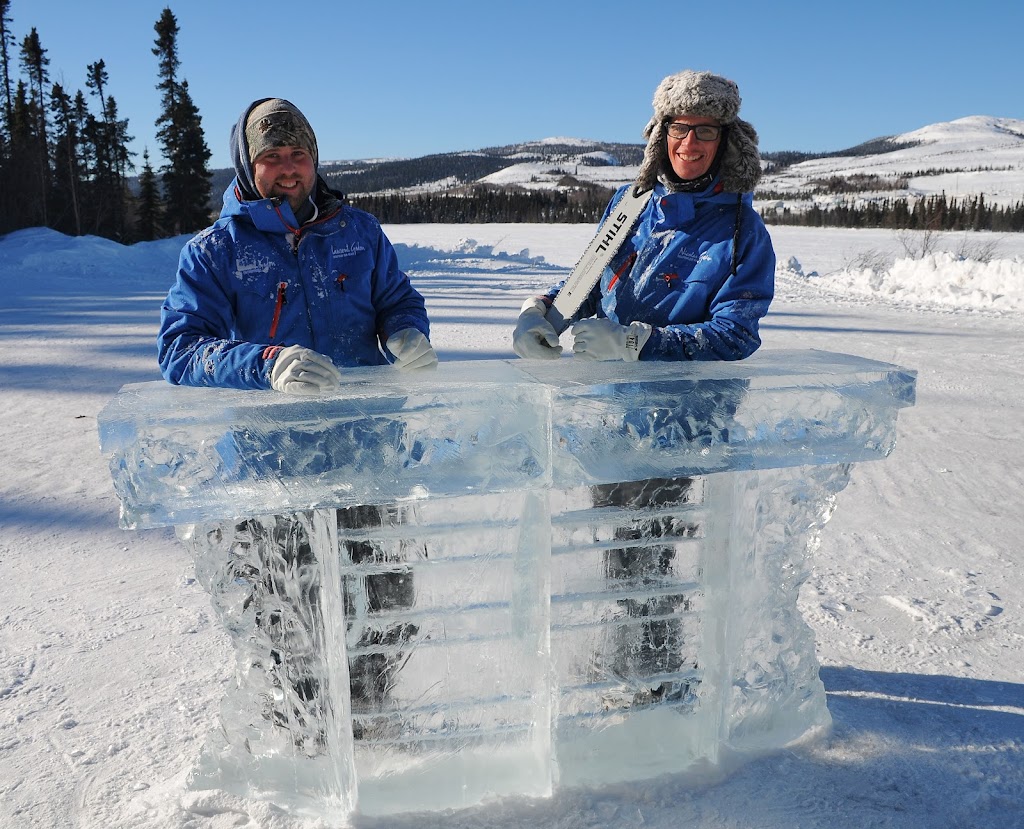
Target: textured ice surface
(502, 576)
(182, 454)
(398, 646)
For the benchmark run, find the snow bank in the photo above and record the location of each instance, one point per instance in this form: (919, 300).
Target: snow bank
(935, 279)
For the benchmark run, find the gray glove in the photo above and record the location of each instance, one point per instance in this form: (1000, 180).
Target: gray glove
(300, 370)
(602, 339)
(412, 350)
(535, 338)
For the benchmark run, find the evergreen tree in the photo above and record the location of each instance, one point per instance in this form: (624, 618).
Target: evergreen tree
(67, 168)
(6, 114)
(34, 62)
(27, 202)
(186, 174)
(103, 207)
(148, 214)
(6, 46)
(111, 160)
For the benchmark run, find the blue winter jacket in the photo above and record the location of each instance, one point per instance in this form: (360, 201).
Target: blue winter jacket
(253, 282)
(676, 273)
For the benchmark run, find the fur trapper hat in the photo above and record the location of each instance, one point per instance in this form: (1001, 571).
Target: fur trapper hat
(709, 96)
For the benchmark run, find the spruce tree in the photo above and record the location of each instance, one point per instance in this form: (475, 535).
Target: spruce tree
(6, 46)
(186, 174)
(111, 159)
(148, 214)
(7, 207)
(34, 62)
(67, 163)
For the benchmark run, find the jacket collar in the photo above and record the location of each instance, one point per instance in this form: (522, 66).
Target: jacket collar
(275, 215)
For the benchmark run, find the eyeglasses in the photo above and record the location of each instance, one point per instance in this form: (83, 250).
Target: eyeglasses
(704, 132)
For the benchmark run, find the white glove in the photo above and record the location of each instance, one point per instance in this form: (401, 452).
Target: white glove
(300, 370)
(535, 338)
(412, 350)
(602, 339)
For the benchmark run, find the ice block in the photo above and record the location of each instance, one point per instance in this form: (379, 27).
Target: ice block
(501, 577)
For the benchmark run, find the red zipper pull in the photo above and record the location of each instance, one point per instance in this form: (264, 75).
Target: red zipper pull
(281, 288)
(625, 267)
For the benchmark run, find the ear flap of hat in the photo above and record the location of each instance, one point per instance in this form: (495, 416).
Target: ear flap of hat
(655, 154)
(741, 165)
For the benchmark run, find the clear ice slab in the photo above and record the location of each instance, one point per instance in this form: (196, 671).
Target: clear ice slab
(502, 577)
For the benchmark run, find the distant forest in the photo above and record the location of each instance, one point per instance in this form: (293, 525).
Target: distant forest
(932, 213)
(64, 157)
(481, 204)
(65, 163)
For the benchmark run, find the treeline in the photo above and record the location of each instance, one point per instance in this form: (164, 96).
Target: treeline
(481, 204)
(836, 185)
(463, 168)
(64, 157)
(778, 161)
(932, 213)
(412, 172)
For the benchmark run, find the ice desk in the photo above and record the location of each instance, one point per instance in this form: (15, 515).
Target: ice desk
(439, 588)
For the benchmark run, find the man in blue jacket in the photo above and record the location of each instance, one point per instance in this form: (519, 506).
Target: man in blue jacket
(289, 285)
(284, 291)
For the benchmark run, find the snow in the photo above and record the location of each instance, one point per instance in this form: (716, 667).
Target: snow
(111, 667)
(978, 154)
(975, 155)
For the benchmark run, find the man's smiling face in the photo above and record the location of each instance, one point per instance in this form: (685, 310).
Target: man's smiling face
(285, 172)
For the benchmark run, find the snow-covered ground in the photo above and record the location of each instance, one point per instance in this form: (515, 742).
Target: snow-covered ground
(111, 667)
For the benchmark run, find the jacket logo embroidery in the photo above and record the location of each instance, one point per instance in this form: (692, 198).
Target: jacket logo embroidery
(694, 257)
(351, 249)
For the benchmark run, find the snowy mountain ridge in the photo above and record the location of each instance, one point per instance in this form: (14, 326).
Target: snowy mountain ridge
(977, 154)
(971, 156)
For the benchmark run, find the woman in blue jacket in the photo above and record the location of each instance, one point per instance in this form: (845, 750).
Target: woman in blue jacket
(289, 284)
(691, 282)
(698, 272)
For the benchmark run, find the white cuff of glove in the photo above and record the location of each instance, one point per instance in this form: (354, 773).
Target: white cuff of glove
(602, 339)
(535, 338)
(300, 370)
(412, 350)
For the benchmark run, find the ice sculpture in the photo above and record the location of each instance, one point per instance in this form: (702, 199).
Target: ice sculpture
(501, 577)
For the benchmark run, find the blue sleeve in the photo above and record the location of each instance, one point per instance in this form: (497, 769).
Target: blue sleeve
(732, 330)
(195, 322)
(398, 304)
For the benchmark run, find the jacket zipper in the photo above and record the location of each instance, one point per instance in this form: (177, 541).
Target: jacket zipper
(281, 288)
(625, 267)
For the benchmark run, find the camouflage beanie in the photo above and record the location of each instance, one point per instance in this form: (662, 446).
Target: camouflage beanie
(278, 123)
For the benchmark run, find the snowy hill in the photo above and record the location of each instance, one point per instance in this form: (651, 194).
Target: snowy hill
(969, 156)
(977, 155)
(557, 162)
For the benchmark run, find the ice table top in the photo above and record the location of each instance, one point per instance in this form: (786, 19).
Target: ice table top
(180, 455)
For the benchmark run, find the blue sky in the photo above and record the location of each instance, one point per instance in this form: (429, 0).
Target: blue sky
(411, 78)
